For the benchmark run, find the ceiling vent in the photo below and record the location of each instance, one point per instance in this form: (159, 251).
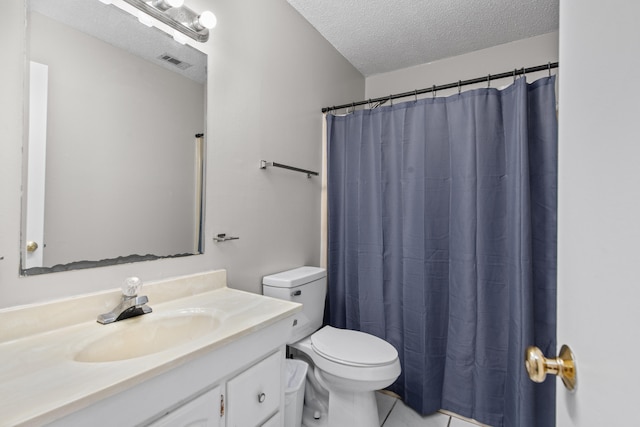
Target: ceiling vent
(174, 61)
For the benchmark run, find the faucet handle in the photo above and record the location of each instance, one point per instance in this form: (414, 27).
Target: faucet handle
(131, 286)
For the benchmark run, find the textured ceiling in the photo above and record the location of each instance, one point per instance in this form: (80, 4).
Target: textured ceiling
(377, 36)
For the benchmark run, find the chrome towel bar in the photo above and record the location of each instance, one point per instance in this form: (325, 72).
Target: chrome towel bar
(264, 164)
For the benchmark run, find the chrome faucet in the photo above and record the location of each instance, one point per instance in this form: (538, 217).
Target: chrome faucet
(130, 305)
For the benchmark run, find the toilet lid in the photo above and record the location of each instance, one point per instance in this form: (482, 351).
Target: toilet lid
(352, 347)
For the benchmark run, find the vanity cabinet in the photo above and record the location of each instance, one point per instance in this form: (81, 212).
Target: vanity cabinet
(229, 373)
(237, 385)
(252, 399)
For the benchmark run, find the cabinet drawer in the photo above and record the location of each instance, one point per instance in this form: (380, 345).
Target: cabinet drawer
(254, 394)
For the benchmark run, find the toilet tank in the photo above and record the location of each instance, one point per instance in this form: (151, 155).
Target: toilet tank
(305, 285)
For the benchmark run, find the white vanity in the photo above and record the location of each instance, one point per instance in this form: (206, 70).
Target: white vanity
(206, 352)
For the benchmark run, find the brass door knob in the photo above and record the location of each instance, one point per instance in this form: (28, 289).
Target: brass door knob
(31, 246)
(563, 366)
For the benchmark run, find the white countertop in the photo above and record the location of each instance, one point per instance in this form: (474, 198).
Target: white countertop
(40, 381)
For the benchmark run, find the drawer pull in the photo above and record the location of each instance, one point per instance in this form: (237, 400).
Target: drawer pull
(261, 397)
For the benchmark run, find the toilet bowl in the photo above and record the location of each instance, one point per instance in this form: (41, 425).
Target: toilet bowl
(350, 365)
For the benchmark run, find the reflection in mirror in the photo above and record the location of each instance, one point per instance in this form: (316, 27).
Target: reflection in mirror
(115, 113)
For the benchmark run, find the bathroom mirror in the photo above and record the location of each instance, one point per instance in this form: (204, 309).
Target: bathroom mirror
(114, 145)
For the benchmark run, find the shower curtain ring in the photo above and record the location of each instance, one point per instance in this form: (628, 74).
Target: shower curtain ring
(514, 74)
(433, 91)
(459, 87)
(549, 67)
(370, 103)
(415, 93)
(488, 81)
(353, 106)
(391, 100)
(524, 73)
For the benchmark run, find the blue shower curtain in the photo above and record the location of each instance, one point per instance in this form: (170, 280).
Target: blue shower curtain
(442, 241)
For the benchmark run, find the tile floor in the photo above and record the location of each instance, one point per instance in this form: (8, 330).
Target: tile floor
(393, 412)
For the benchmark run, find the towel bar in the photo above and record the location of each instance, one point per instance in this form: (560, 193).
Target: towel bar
(264, 164)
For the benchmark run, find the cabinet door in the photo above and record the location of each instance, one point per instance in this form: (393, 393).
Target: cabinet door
(203, 411)
(275, 421)
(255, 394)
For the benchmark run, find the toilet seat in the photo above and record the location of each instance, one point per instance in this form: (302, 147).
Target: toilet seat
(352, 348)
(381, 374)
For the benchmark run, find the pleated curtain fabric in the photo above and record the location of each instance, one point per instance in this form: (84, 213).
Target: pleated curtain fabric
(442, 241)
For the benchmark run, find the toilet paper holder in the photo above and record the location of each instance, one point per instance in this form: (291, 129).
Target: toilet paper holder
(222, 237)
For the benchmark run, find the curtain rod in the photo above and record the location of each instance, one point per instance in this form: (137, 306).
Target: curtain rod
(458, 84)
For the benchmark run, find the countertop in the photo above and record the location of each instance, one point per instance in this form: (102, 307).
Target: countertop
(40, 380)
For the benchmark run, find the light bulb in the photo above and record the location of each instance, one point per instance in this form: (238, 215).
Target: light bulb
(206, 20)
(179, 37)
(145, 19)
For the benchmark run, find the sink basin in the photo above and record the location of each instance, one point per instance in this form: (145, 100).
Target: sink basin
(148, 334)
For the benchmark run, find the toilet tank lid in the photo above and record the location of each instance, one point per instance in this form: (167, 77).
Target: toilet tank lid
(296, 277)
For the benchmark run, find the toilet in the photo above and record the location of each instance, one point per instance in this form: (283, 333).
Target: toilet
(347, 366)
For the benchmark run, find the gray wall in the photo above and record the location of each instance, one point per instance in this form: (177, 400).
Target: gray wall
(498, 59)
(270, 74)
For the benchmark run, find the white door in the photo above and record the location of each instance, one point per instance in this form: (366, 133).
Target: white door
(599, 210)
(38, 91)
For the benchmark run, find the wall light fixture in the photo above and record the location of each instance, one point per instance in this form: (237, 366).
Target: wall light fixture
(177, 16)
